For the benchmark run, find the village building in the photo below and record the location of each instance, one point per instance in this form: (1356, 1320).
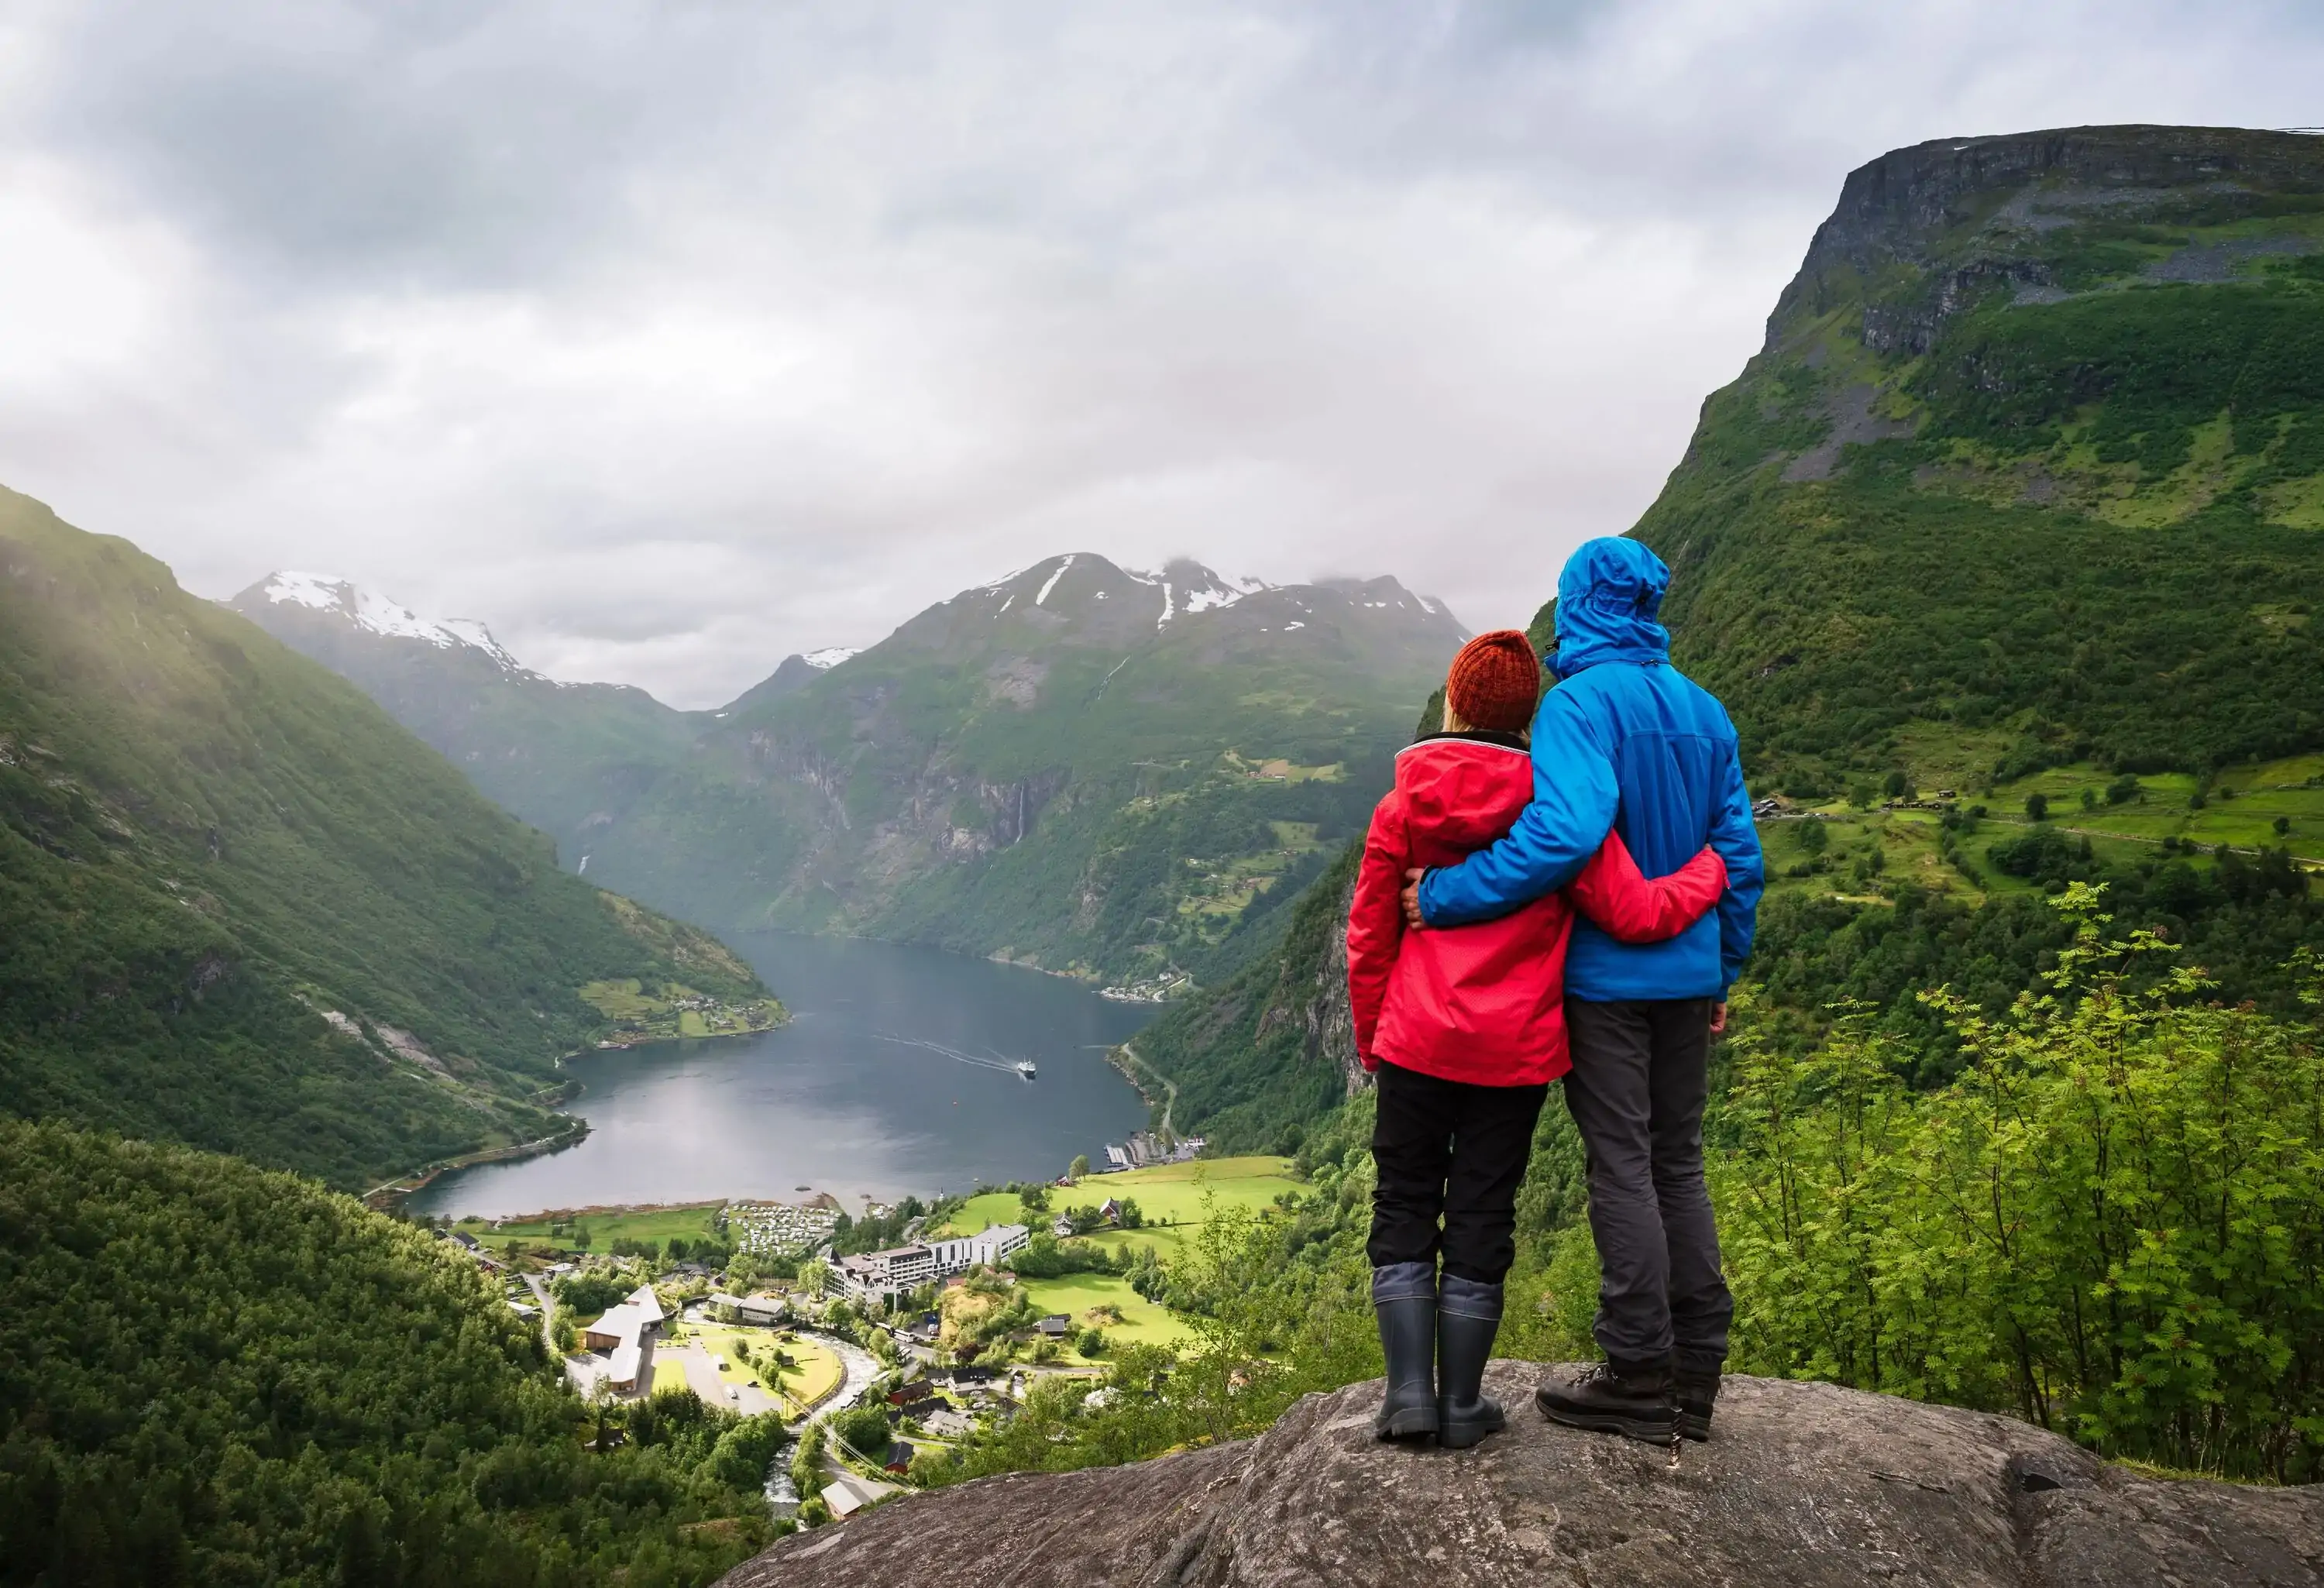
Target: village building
(622, 1335)
(875, 1277)
(1143, 1148)
(763, 1311)
(848, 1494)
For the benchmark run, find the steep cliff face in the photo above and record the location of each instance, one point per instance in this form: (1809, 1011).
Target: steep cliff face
(1983, 212)
(1804, 1484)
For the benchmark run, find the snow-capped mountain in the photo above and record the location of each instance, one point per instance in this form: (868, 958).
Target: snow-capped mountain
(370, 614)
(1080, 764)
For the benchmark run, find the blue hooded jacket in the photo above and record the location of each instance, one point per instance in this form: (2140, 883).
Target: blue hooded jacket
(1624, 741)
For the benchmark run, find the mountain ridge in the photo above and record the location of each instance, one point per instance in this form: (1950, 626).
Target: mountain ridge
(900, 789)
(248, 911)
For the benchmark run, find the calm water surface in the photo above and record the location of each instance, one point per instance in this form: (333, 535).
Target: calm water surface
(890, 1078)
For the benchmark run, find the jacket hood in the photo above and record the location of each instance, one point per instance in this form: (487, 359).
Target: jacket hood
(1607, 601)
(1462, 790)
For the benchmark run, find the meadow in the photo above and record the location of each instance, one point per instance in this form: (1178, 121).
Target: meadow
(1167, 1195)
(1143, 1322)
(602, 1227)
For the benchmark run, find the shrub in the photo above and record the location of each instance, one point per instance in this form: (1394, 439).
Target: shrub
(2110, 1225)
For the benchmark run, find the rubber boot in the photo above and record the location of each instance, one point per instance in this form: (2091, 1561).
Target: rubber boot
(1631, 1400)
(1468, 1316)
(1696, 1390)
(1404, 1295)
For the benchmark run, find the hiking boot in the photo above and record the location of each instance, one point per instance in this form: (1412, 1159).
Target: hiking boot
(1404, 1295)
(1696, 1393)
(1468, 1316)
(1634, 1402)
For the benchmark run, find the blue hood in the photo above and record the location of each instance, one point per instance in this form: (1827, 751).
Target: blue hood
(1607, 599)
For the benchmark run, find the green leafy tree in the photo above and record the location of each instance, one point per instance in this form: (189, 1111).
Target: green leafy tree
(2108, 1224)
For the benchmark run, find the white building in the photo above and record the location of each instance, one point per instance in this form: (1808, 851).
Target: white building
(621, 1333)
(881, 1275)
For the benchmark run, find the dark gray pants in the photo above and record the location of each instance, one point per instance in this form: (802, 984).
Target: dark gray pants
(1640, 1073)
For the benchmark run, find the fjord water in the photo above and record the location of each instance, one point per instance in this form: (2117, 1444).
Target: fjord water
(890, 1079)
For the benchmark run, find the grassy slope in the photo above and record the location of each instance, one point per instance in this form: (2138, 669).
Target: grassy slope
(207, 840)
(215, 1375)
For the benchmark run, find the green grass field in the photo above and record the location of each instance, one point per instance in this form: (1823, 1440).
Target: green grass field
(655, 1224)
(1143, 1322)
(820, 1370)
(2240, 810)
(1167, 1195)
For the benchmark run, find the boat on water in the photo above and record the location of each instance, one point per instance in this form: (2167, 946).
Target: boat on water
(1025, 1070)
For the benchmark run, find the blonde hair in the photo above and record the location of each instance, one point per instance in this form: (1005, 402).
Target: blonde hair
(1455, 722)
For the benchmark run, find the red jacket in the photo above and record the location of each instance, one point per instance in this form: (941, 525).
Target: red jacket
(1486, 1003)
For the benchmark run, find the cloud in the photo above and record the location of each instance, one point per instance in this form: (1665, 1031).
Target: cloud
(670, 338)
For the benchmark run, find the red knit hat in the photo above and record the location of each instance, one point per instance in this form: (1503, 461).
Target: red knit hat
(1495, 682)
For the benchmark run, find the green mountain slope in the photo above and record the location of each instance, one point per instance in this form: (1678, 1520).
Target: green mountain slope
(2018, 505)
(218, 1374)
(2032, 462)
(1116, 774)
(560, 756)
(246, 911)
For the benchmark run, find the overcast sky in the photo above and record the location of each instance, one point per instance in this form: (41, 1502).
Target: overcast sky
(671, 339)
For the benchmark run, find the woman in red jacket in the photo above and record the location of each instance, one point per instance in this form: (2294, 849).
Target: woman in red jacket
(1465, 1029)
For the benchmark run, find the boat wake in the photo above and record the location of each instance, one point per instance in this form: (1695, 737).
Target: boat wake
(1012, 1067)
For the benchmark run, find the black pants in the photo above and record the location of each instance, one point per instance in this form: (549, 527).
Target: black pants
(1455, 1151)
(1640, 1073)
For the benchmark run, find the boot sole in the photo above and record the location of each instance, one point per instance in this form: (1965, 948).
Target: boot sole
(1461, 1435)
(1645, 1431)
(1412, 1423)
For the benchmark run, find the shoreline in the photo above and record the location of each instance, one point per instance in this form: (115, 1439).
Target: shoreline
(387, 1193)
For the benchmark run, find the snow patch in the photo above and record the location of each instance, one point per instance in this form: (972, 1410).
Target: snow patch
(1288, 627)
(468, 630)
(830, 657)
(375, 615)
(326, 592)
(1043, 598)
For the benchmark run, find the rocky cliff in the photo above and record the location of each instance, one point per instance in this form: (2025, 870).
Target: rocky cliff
(1804, 1484)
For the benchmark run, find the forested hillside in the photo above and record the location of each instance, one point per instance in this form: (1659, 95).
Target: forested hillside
(246, 911)
(2001, 554)
(215, 1375)
(1117, 774)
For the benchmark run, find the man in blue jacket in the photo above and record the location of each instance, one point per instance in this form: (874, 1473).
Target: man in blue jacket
(1627, 741)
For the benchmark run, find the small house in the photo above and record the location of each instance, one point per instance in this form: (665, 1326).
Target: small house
(1057, 1325)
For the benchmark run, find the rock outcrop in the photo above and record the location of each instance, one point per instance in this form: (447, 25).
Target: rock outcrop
(1803, 1484)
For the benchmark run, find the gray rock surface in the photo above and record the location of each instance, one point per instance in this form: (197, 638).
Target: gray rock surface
(1804, 1483)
